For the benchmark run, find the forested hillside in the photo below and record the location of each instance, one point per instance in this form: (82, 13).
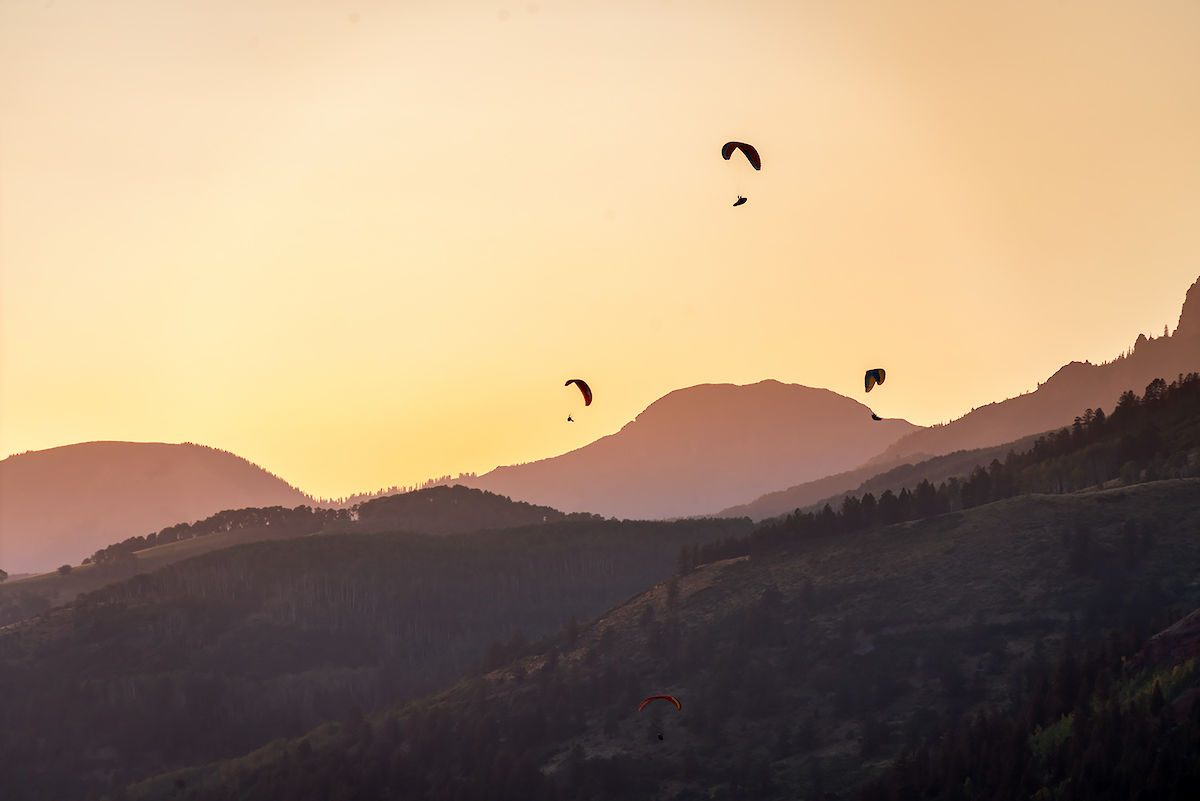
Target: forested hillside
(435, 510)
(1101, 724)
(800, 671)
(219, 654)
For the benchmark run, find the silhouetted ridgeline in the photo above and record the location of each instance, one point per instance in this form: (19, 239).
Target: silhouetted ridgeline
(436, 510)
(219, 654)
(457, 509)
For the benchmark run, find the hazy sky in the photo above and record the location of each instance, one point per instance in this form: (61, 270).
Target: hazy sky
(364, 243)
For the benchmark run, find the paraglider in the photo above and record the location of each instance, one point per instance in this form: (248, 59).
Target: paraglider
(874, 377)
(653, 698)
(875, 416)
(570, 419)
(583, 387)
(751, 156)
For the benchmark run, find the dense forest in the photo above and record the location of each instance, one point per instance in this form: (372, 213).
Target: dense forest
(219, 654)
(436, 510)
(801, 672)
(1096, 726)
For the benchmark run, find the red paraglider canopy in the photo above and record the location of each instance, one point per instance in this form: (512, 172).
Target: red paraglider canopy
(670, 698)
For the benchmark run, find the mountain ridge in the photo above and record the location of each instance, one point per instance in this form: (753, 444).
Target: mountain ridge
(697, 449)
(1056, 401)
(59, 504)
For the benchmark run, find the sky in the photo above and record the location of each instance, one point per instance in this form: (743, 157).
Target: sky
(364, 243)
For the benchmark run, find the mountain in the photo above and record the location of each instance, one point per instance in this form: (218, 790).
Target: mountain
(61, 504)
(700, 449)
(1075, 386)
(1072, 389)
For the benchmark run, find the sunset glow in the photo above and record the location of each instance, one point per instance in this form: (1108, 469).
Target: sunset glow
(363, 244)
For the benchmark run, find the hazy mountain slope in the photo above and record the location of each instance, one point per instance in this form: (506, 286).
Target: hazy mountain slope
(58, 505)
(832, 489)
(215, 655)
(799, 672)
(1074, 387)
(699, 449)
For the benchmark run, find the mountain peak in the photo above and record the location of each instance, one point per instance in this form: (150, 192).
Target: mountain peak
(702, 448)
(1189, 317)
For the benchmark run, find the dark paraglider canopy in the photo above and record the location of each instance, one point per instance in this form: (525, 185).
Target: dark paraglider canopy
(875, 416)
(874, 377)
(751, 154)
(739, 201)
(583, 387)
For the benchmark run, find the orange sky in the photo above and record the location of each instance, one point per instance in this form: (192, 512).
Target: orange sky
(364, 243)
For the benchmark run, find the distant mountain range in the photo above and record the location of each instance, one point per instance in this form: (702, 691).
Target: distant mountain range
(61, 504)
(1055, 403)
(697, 450)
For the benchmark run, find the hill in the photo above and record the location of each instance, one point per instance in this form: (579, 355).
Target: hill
(699, 449)
(800, 672)
(437, 510)
(60, 504)
(213, 656)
